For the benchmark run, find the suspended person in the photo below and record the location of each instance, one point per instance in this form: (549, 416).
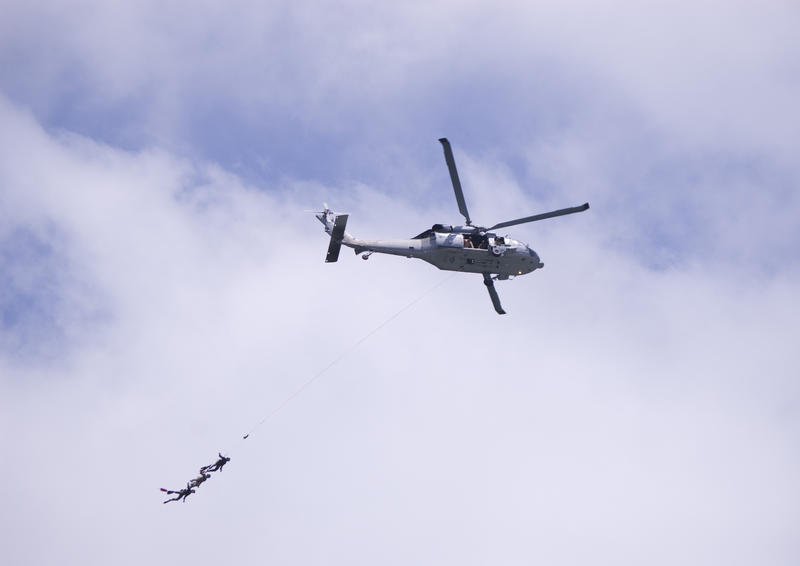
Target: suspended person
(216, 466)
(181, 494)
(199, 479)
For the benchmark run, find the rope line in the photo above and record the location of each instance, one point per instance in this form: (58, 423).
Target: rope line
(344, 354)
(310, 381)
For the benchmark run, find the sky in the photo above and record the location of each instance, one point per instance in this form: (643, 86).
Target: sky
(162, 290)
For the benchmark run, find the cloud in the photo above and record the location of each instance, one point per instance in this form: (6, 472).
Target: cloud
(610, 389)
(263, 87)
(639, 402)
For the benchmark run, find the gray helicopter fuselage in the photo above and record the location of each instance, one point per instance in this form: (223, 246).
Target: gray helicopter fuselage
(450, 251)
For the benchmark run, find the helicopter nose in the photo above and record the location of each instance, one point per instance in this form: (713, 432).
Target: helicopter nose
(537, 263)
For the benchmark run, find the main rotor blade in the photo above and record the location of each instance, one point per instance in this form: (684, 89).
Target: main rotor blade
(451, 165)
(487, 280)
(536, 217)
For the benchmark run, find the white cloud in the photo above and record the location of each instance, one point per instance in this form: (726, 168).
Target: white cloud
(626, 409)
(709, 73)
(621, 412)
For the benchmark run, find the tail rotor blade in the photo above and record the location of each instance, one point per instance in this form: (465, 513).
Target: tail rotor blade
(536, 217)
(451, 165)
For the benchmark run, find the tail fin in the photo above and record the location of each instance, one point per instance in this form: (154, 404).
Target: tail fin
(337, 233)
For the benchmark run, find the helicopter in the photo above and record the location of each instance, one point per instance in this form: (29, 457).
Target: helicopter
(467, 248)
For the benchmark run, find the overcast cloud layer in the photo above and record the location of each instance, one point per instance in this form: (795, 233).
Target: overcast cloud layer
(161, 290)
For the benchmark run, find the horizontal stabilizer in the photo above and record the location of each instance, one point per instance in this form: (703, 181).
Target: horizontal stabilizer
(336, 238)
